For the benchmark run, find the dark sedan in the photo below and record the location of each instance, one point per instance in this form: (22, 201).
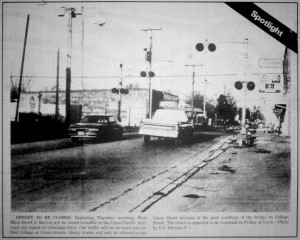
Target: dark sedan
(96, 127)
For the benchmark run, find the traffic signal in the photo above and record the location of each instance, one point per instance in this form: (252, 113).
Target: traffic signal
(143, 74)
(250, 86)
(238, 85)
(115, 90)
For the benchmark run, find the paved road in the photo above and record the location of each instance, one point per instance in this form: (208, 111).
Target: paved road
(93, 177)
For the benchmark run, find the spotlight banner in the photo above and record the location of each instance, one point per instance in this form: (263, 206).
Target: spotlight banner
(267, 23)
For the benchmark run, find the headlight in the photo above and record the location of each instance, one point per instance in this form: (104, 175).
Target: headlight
(93, 129)
(72, 129)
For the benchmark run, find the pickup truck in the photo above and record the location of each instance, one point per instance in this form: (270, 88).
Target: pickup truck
(167, 123)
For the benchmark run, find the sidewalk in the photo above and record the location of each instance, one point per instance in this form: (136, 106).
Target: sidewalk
(242, 179)
(49, 145)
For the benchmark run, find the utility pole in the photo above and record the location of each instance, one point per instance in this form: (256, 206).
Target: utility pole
(265, 110)
(57, 88)
(243, 129)
(21, 74)
(193, 85)
(82, 52)
(71, 14)
(120, 86)
(150, 63)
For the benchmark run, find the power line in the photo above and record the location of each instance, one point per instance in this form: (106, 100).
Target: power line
(64, 77)
(159, 76)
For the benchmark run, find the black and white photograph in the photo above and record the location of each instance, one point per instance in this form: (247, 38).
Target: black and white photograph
(145, 119)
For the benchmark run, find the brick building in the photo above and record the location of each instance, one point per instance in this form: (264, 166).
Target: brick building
(134, 105)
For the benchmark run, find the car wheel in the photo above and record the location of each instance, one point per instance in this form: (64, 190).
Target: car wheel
(146, 138)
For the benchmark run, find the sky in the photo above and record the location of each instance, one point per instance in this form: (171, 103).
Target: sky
(98, 51)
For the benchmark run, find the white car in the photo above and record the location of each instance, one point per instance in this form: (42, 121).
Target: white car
(167, 123)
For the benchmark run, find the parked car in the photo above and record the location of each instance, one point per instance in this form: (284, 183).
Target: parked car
(96, 127)
(167, 123)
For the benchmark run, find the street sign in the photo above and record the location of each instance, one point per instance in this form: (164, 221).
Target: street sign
(280, 109)
(271, 83)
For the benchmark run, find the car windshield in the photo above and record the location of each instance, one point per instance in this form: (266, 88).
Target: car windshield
(170, 116)
(94, 119)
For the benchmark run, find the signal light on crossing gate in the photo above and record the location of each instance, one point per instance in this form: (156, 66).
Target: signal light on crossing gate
(115, 90)
(238, 85)
(124, 91)
(212, 47)
(250, 86)
(143, 74)
(151, 74)
(199, 47)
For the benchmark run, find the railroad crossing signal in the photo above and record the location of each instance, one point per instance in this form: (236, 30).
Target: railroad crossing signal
(211, 47)
(199, 47)
(150, 74)
(122, 90)
(143, 74)
(250, 86)
(239, 85)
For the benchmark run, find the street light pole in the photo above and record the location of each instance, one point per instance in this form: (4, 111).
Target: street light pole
(21, 74)
(120, 86)
(71, 14)
(243, 129)
(193, 85)
(57, 88)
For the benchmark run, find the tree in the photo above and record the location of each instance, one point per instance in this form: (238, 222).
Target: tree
(256, 114)
(198, 100)
(14, 87)
(198, 103)
(226, 108)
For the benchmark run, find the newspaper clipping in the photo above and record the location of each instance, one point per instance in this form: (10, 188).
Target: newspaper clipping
(149, 119)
